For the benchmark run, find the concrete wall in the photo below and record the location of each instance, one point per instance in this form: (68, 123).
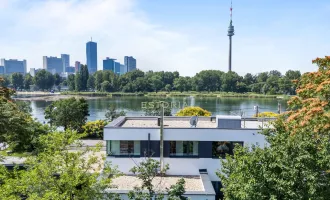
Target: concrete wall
(178, 166)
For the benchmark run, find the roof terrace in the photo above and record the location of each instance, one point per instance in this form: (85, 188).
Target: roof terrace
(184, 122)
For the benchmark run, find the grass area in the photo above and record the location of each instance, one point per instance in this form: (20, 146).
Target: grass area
(176, 94)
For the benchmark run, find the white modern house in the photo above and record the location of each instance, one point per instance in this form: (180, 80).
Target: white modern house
(193, 153)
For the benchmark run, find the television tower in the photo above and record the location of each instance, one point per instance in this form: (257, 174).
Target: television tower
(230, 34)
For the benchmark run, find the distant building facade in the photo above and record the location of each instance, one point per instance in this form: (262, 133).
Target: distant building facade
(33, 71)
(77, 66)
(70, 69)
(109, 64)
(65, 61)
(117, 68)
(130, 63)
(12, 66)
(123, 69)
(53, 64)
(91, 55)
(2, 70)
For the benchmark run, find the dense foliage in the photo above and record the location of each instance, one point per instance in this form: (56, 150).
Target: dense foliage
(60, 173)
(94, 129)
(17, 127)
(69, 113)
(296, 163)
(272, 82)
(193, 111)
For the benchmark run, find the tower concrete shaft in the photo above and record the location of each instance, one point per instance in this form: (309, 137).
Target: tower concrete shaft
(231, 33)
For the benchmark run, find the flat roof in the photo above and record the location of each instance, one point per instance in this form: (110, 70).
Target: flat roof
(182, 122)
(127, 182)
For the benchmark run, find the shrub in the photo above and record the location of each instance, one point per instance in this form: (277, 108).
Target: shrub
(267, 114)
(94, 129)
(193, 111)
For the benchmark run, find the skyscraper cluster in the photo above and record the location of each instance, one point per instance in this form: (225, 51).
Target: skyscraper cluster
(61, 65)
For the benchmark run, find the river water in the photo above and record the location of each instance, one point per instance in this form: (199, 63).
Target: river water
(133, 105)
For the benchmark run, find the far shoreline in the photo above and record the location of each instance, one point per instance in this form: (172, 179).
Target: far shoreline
(47, 96)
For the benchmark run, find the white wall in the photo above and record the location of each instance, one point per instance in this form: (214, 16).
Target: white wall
(248, 136)
(178, 166)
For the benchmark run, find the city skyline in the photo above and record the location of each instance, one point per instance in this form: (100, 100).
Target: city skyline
(271, 35)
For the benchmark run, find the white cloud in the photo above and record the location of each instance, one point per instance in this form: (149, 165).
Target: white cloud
(33, 29)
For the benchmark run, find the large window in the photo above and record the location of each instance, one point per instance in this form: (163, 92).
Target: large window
(221, 148)
(123, 148)
(184, 148)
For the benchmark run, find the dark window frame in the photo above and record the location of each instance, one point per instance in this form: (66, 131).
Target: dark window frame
(187, 149)
(225, 144)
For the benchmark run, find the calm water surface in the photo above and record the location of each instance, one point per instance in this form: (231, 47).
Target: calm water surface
(133, 105)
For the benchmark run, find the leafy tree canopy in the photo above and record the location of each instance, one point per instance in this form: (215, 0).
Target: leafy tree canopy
(69, 113)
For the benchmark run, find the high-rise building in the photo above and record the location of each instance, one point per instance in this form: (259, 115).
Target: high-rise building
(117, 68)
(2, 70)
(109, 64)
(123, 69)
(33, 71)
(65, 61)
(130, 63)
(91, 55)
(53, 64)
(12, 66)
(231, 33)
(70, 69)
(77, 66)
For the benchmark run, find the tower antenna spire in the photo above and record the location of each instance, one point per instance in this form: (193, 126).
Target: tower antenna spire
(231, 10)
(231, 33)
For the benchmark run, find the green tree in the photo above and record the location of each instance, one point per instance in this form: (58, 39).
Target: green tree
(69, 113)
(249, 79)
(112, 113)
(44, 80)
(17, 128)
(106, 86)
(28, 80)
(168, 88)
(208, 80)
(71, 82)
(78, 82)
(229, 81)
(94, 129)
(262, 77)
(17, 80)
(5, 82)
(181, 84)
(57, 79)
(156, 83)
(60, 173)
(91, 82)
(98, 80)
(147, 171)
(193, 111)
(84, 75)
(296, 163)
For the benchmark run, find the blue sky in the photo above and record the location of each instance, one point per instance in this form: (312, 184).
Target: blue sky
(183, 35)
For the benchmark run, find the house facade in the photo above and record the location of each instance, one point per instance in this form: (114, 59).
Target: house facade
(188, 150)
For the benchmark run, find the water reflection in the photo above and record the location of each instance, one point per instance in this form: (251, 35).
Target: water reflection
(133, 105)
